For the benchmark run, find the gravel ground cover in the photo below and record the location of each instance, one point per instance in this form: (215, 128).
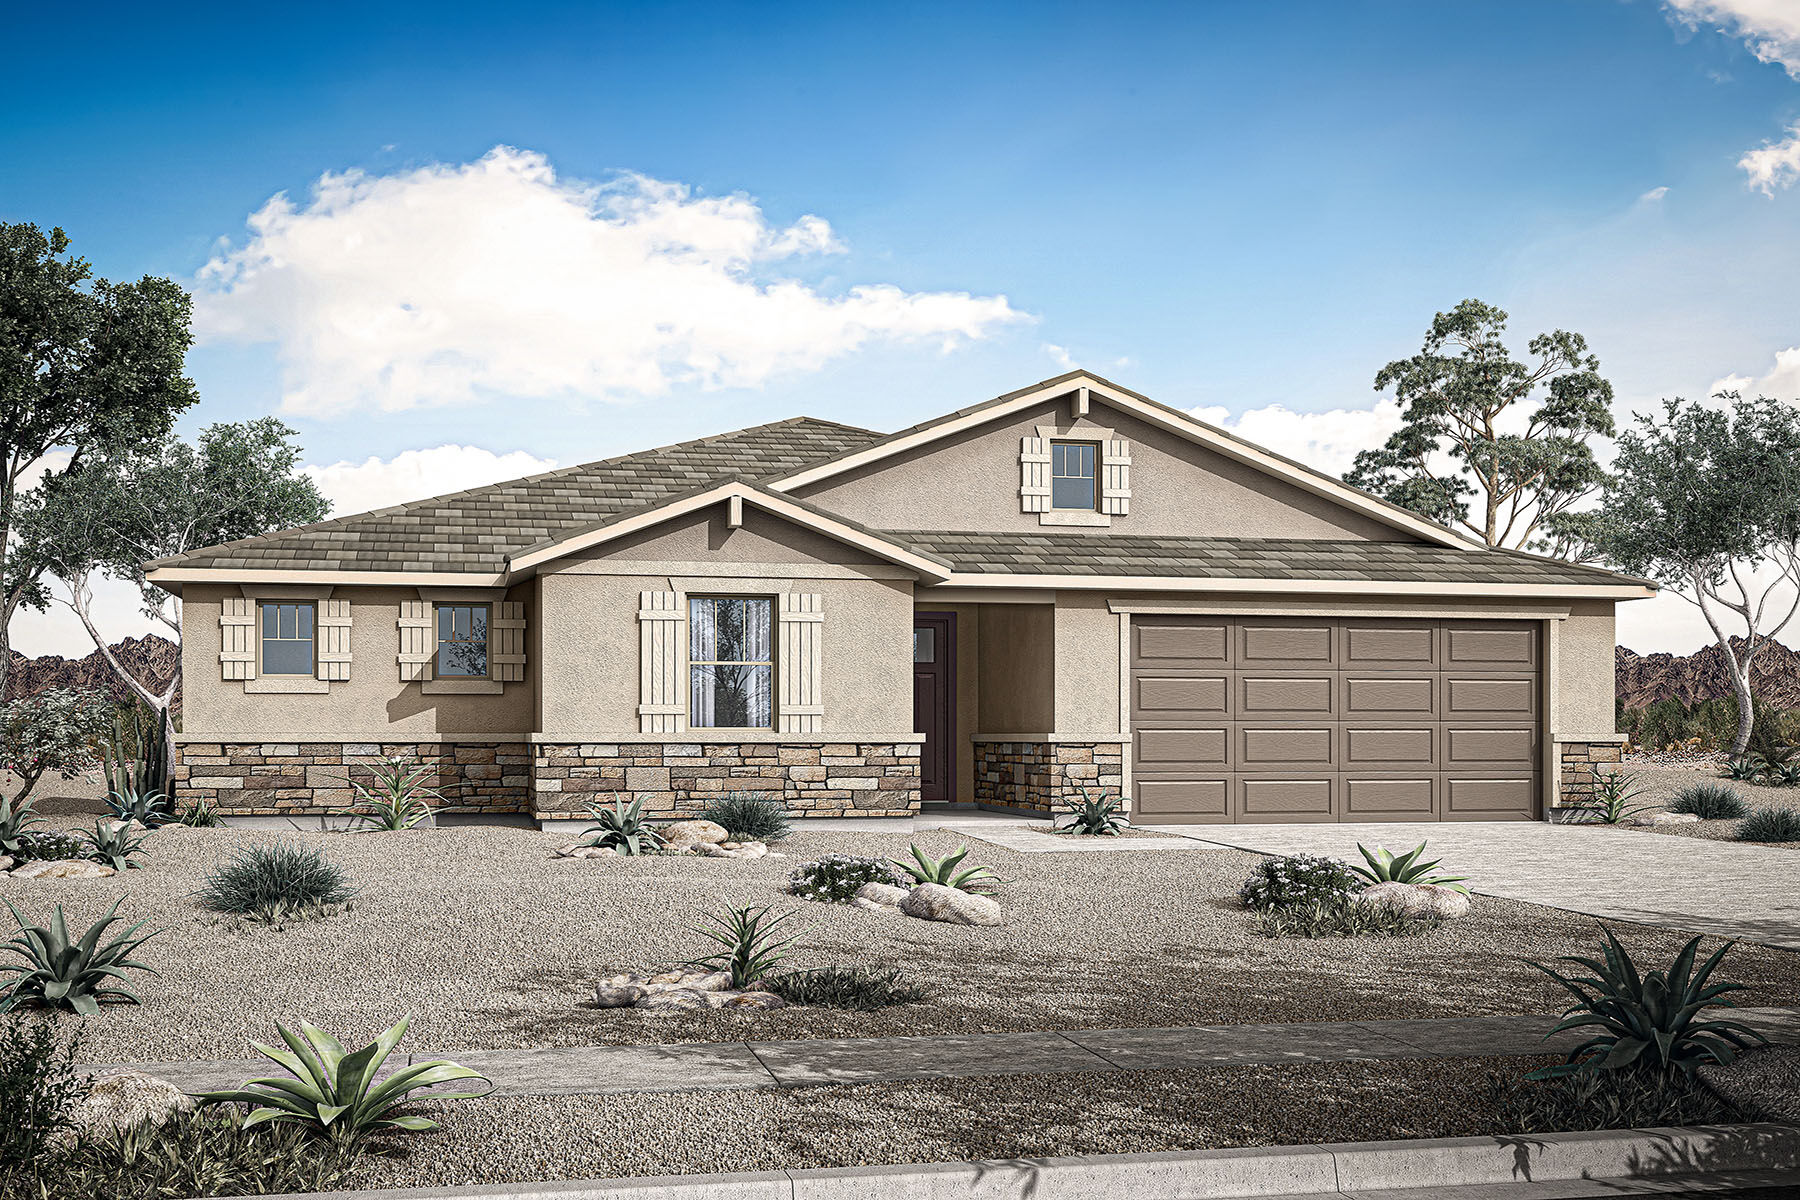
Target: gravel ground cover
(491, 943)
(997, 1117)
(1660, 781)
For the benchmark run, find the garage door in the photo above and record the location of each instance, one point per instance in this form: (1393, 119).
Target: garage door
(1291, 719)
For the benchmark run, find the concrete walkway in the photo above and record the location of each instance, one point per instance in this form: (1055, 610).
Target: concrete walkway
(1720, 888)
(600, 1070)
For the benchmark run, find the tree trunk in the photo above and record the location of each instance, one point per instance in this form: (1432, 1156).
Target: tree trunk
(1740, 688)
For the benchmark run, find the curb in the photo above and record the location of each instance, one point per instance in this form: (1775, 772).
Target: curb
(1350, 1169)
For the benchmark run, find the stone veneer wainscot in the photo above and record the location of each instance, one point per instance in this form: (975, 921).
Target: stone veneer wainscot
(1577, 763)
(1047, 777)
(280, 779)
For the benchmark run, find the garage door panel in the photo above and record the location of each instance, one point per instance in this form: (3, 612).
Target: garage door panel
(1385, 697)
(1263, 748)
(1516, 746)
(1490, 646)
(1289, 646)
(1391, 798)
(1384, 646)
(1182, 750)
(1286, 697)
(1473, 798)
(1291, 798)
(1184, 800)
(1513, 698)
(1181, 697)
(1376, 749)
(1164, 644)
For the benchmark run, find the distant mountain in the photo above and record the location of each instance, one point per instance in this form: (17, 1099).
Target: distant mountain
(152, 659)
(1644, 678)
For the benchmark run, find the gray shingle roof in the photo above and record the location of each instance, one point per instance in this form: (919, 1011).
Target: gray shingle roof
(1240, 558)
(474, 531)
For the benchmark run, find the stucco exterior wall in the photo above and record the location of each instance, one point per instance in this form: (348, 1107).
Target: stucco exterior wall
(971, 482)
(1581, 701)
(1018, 668)
(368, 706)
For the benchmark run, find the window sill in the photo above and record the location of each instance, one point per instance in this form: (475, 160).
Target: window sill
(462, 687)
(286, 685)
(1075, 517)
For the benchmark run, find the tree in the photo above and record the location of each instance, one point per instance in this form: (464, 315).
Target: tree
(1706, 501)
(56, 730)
(86, 366)
(117, 512)
(1489, 444)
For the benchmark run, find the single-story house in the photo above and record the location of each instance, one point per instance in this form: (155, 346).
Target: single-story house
(1068, 590)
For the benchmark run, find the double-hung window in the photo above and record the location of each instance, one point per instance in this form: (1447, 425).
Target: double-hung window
(1072, 475)
(288, 638)
(462, 641)
(731, 662)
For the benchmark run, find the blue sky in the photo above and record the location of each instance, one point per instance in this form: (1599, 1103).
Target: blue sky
(1226, 206)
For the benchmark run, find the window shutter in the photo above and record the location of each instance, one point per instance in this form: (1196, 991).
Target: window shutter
(507, 654)
(332, 627)
(800, 704)
(237, 638)
(662, 662)
(1115, 477)
(416, 649)
(1034, 474)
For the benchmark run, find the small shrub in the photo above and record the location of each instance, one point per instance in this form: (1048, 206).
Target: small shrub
(1614, 800)
(208, 1153)
(1785, 774)
(835, 878)
(1096, 818)
(281, 878)
(943, 871)
(1386, 867)
(1709, 801)
(149, 809)
(1300, 880)
(50, 845)
(621, 828)
(855, 988)
(1346, 917)
(38, 1087)
(333, 1091)
(1609, 1100)
(1770, 825)
(399, 799)
(201, 816)
(72, 973)
(1746, 769)
(16, 821)
(750, 816)
(114, 845)
(751, 947)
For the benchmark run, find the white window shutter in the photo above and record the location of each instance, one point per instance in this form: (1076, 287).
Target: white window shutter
(237, 638)
(332, 627)
(506, 657)
(416, 641)
(1115, 477)
(1034, 474)
(662, 662)
(800, 706)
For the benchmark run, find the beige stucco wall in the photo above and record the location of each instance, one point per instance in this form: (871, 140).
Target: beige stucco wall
(971, 481)
(1018, 671)
(707, 537)
(372, 701)
(1581, 701)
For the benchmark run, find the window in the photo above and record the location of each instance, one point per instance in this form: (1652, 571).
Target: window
(731, 663)
(287, 638)
(925, 645)
(1072, 475)
(462, 641)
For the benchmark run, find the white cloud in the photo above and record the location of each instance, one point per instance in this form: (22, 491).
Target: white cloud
(451, 283)
(1328, 441)
(1060, 356)
(1770, 28)
(1775, 164)
(1782, 382)
(1653, 195)
(416, 474)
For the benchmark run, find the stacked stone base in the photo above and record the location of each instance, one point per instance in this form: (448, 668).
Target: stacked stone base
(832, 779)
(1576, 764)
(1047, 777)
(278, 779)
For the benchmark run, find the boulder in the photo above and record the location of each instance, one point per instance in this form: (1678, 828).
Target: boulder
(576, 850)
(881, 895)
(71, 868)
(674, 999)
(1418, 899)
(618, 995)
(728, 849)
(755, 1000)
(134, 825)
(935, 902)
(689, 980)
(119, 1099)
(6, 862)
(680, 834)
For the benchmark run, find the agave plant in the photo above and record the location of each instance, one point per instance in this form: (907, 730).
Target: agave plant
(146, 808)
(1747, 769)
(1386, 867)
(1647, 1019)
(201, 816)
(1785, 774)
(751, 947)
(400, 798)
(620, 828)
(1096, 818)
(114, 844)
(1614, 800)
(977, 880)
(78, 974)
(335, 1092)
(15, 819)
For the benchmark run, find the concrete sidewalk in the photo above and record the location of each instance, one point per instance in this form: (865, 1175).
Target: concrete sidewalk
(601, 1070)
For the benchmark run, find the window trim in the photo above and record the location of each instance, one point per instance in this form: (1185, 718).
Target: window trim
(437, 643)
(312, 670)
(773, 663)
(1096, 448)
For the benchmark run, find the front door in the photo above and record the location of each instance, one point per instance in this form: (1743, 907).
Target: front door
(934, 703)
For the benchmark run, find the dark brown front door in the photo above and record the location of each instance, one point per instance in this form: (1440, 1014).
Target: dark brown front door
(934, 703)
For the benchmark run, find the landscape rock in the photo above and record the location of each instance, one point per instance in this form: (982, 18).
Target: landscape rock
(1650, 820)
(683, 989)
(935, 902)
(576, 850)
(622, 995)
(674, 999)
(698, 981)
(6, 862)
(728, 849)
(1418, 899)
(135, 825)
(681, 834)
(119, 1099)
(755, 1000)
(73, 868)
(881, 895)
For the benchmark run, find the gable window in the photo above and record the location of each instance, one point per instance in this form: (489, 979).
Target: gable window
(731, 662)
(1072, 477)
(462, 641)
(287, 638)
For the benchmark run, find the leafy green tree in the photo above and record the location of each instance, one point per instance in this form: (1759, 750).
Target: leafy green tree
(1489, 444)
(86, 367)
(53, 731)
(117, 512)
(1706, 500)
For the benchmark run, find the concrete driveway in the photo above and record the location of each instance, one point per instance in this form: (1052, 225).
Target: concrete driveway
(1746, 892)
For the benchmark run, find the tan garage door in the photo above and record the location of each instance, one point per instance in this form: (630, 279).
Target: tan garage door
(1292, 719)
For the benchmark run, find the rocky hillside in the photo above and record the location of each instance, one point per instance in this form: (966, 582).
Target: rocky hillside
(1644, 678)
(152, 659)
